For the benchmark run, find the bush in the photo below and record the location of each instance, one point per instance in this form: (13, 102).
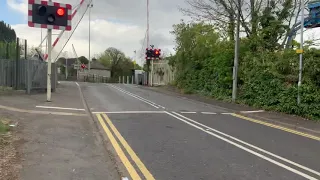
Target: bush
(267, 78)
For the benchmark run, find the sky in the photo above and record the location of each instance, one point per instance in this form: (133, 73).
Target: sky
(114, 23)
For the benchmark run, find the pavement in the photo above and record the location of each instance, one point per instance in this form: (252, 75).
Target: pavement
(159, 135)
(57, 143)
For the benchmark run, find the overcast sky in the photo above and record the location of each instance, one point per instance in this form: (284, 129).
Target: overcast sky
(114, 23)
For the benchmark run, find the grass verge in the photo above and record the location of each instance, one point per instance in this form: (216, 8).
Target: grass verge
(3, 127)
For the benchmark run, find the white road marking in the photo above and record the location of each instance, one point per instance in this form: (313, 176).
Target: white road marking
(208, 113)
(247, 112)
(226, 113)
(52, 107)
(127, 112)
(206, 128)
(161, 106)
(186, 112)
(137, 97)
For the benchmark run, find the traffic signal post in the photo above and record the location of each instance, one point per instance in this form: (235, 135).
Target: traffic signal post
(151, 55)
(49, 15)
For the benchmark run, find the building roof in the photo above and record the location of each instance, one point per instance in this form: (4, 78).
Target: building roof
(97, 65)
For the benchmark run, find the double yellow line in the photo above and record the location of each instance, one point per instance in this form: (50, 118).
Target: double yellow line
(132, 171)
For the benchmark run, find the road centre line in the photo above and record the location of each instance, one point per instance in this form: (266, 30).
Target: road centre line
(128, 112)
(151, 104)
(187, 112)
(62, 108)
(137, 97)
(277, 127)
(209, 130)
(130, 151)
(208, 113)
(133, 173)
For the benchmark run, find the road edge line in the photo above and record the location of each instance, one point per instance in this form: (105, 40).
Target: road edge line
(289, 130)
(245, 143)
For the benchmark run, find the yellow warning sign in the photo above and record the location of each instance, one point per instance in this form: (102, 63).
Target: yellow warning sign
(299, 51)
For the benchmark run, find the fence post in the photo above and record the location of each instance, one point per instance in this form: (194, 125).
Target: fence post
(25, 49)
(119, 79)
(29, 83)
(17, 64)
(7, 50)
(123, 79)
(127, 79)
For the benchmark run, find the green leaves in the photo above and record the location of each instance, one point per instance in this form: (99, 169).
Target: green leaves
(267, 78)
(117, 62)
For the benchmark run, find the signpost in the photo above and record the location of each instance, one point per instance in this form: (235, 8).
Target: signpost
(49, 15)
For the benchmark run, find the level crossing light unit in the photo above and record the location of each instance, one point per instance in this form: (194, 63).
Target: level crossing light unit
(49, 15)
(153, 54)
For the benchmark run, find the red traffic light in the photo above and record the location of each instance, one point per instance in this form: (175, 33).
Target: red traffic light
(83, 66)
(157, 52)
(61, 11)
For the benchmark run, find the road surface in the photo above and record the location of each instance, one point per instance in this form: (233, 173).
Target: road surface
(159, 136)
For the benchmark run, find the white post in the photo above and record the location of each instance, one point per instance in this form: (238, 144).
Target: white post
(127, 80)
(119, 79)
(301, 55)
(49, 63)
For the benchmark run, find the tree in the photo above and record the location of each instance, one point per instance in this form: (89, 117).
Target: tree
(268, 21)
(83, 60)
(117, 62)
(7, 34)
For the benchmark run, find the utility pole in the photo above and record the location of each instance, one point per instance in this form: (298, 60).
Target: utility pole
(89, 64)
(49, 38)
(151, 76)
(148, 43)
(301, 53)
(236, 56)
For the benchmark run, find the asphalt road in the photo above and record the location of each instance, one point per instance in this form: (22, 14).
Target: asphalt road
(159, 136)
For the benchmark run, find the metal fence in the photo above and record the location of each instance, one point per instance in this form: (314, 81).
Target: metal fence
(26, 74)
(20, 73)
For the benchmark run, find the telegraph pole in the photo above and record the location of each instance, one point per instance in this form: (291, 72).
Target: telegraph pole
(148, 43)
(89, 64)
(301, 53)
(49, 38)
(236, 56)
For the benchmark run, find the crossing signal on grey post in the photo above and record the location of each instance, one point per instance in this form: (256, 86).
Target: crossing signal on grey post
(149, 53)
(157, 53)
(153, 54)
(49, 15)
